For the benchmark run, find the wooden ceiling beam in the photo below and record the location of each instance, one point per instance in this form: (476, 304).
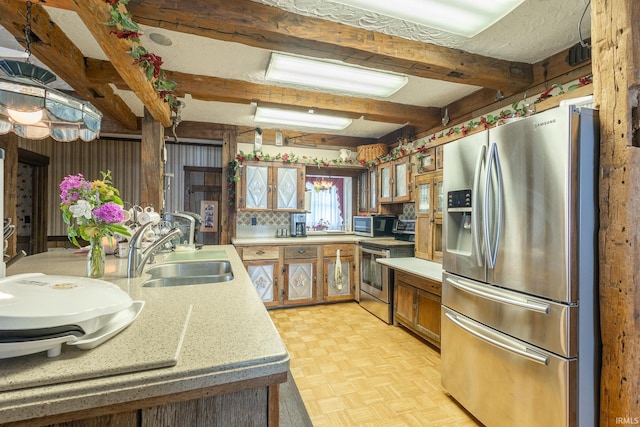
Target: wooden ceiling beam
(94, 14)
(267, 27)
(207, 88)
(549, 71)
(49, 45)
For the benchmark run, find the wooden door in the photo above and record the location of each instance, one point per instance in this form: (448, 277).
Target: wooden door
(204, 184)
(405, 306)
(31, 217)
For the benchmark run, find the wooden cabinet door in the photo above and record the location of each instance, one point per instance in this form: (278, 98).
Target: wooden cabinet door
(385, 182)
(436, 229)
(333, 289)
(429, 200)
(373, 190)
(405, 308)
(428, 315)
(402, 180)
(363, 194)
(288, 188)
(264, 276)
(300, 282)
(255, 187)
(424, 217)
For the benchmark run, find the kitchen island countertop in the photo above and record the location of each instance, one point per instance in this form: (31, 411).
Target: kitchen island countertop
(225, 336)
(420, 267)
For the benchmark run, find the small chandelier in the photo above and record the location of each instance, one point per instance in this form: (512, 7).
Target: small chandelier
(32, 110)
(322, 185)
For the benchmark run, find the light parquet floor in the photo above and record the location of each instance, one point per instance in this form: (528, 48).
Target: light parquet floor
(354, 370)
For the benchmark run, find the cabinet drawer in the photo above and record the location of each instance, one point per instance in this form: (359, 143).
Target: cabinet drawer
(423, 283)
(300, 252)
(345, 250)
(260, 252)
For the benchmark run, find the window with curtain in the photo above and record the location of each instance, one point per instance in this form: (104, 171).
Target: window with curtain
(330, 203)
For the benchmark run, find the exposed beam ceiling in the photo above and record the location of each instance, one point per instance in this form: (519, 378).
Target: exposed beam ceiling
(266, 28)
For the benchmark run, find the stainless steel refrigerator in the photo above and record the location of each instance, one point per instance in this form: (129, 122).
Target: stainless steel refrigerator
(520, 336)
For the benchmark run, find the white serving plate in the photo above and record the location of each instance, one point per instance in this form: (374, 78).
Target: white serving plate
(35, 301)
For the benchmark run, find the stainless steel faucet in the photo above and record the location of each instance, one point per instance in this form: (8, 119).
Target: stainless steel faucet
(137, 257)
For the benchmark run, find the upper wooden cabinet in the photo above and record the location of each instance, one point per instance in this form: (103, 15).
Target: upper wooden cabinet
(394, 180)
(429, 206)
(368, 191)
(271, 187)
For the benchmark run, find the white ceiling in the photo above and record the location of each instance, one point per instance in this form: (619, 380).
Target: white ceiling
(535, 30)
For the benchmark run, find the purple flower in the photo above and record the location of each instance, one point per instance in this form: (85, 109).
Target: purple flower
(71, 186)
(110, 213)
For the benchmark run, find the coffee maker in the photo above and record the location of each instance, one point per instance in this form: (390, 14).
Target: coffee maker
(298, 225)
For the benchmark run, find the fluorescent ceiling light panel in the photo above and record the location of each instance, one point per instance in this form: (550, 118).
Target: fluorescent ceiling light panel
(334, 76)
(299, 118)
(462, 17)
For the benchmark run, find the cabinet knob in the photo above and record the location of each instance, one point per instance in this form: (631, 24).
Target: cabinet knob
(260, 252)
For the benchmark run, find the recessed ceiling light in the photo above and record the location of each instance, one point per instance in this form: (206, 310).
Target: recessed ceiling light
(463, 17)
(334, 76)
(300, 118)
(160, 39)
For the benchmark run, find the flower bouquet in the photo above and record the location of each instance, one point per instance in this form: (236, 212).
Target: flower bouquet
(92, 210)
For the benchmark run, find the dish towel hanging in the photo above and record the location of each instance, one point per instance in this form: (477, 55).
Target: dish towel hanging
(338, 272)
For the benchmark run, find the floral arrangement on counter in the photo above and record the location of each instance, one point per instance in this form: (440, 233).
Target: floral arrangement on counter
(150, 63)
(92, 210)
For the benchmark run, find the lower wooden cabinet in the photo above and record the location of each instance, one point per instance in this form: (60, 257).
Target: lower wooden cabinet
(264, 275)
(417, 305)
(286, 275)
(336, 290)
(263, 265)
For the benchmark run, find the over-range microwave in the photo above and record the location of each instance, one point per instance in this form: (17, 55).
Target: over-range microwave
(373, 225)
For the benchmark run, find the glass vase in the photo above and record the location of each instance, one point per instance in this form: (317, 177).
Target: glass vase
(95, 258)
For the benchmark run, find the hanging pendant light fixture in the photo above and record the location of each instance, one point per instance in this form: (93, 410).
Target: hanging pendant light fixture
(32, 110)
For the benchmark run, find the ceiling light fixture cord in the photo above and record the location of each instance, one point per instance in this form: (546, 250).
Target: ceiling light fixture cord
(176, 118)
(582, 42)
(27, 31)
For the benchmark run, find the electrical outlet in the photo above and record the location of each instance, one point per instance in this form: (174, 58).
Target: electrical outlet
(254, 221)
(279, 139)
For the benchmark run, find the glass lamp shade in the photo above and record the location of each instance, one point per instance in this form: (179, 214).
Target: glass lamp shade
(25, 117)
(29, 108)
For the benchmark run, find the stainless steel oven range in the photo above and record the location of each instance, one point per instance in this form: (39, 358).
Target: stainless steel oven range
(376, 280)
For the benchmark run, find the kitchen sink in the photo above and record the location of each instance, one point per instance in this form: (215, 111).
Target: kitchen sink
(189, 273)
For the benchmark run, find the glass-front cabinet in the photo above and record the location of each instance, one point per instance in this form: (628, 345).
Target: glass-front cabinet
(271, 187)
(368, 191)
(429, 207)
(395, 181)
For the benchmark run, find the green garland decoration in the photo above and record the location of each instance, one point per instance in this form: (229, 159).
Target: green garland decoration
(151, 64)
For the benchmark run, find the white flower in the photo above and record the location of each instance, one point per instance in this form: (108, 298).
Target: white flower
(81, 209)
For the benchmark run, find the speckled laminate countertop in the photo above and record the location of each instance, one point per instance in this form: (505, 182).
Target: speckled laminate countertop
(307, 240)
(420, 267)
(225, 335)
(311, 239)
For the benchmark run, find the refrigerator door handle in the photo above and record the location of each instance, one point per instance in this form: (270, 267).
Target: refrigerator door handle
(496, 296)
(475, 220)
(499, 340)
(492, 253)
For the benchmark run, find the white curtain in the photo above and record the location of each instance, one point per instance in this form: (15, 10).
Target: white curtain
(325, 209)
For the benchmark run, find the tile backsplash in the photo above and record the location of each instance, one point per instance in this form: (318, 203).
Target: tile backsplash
(281, 219)
(275, 219)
